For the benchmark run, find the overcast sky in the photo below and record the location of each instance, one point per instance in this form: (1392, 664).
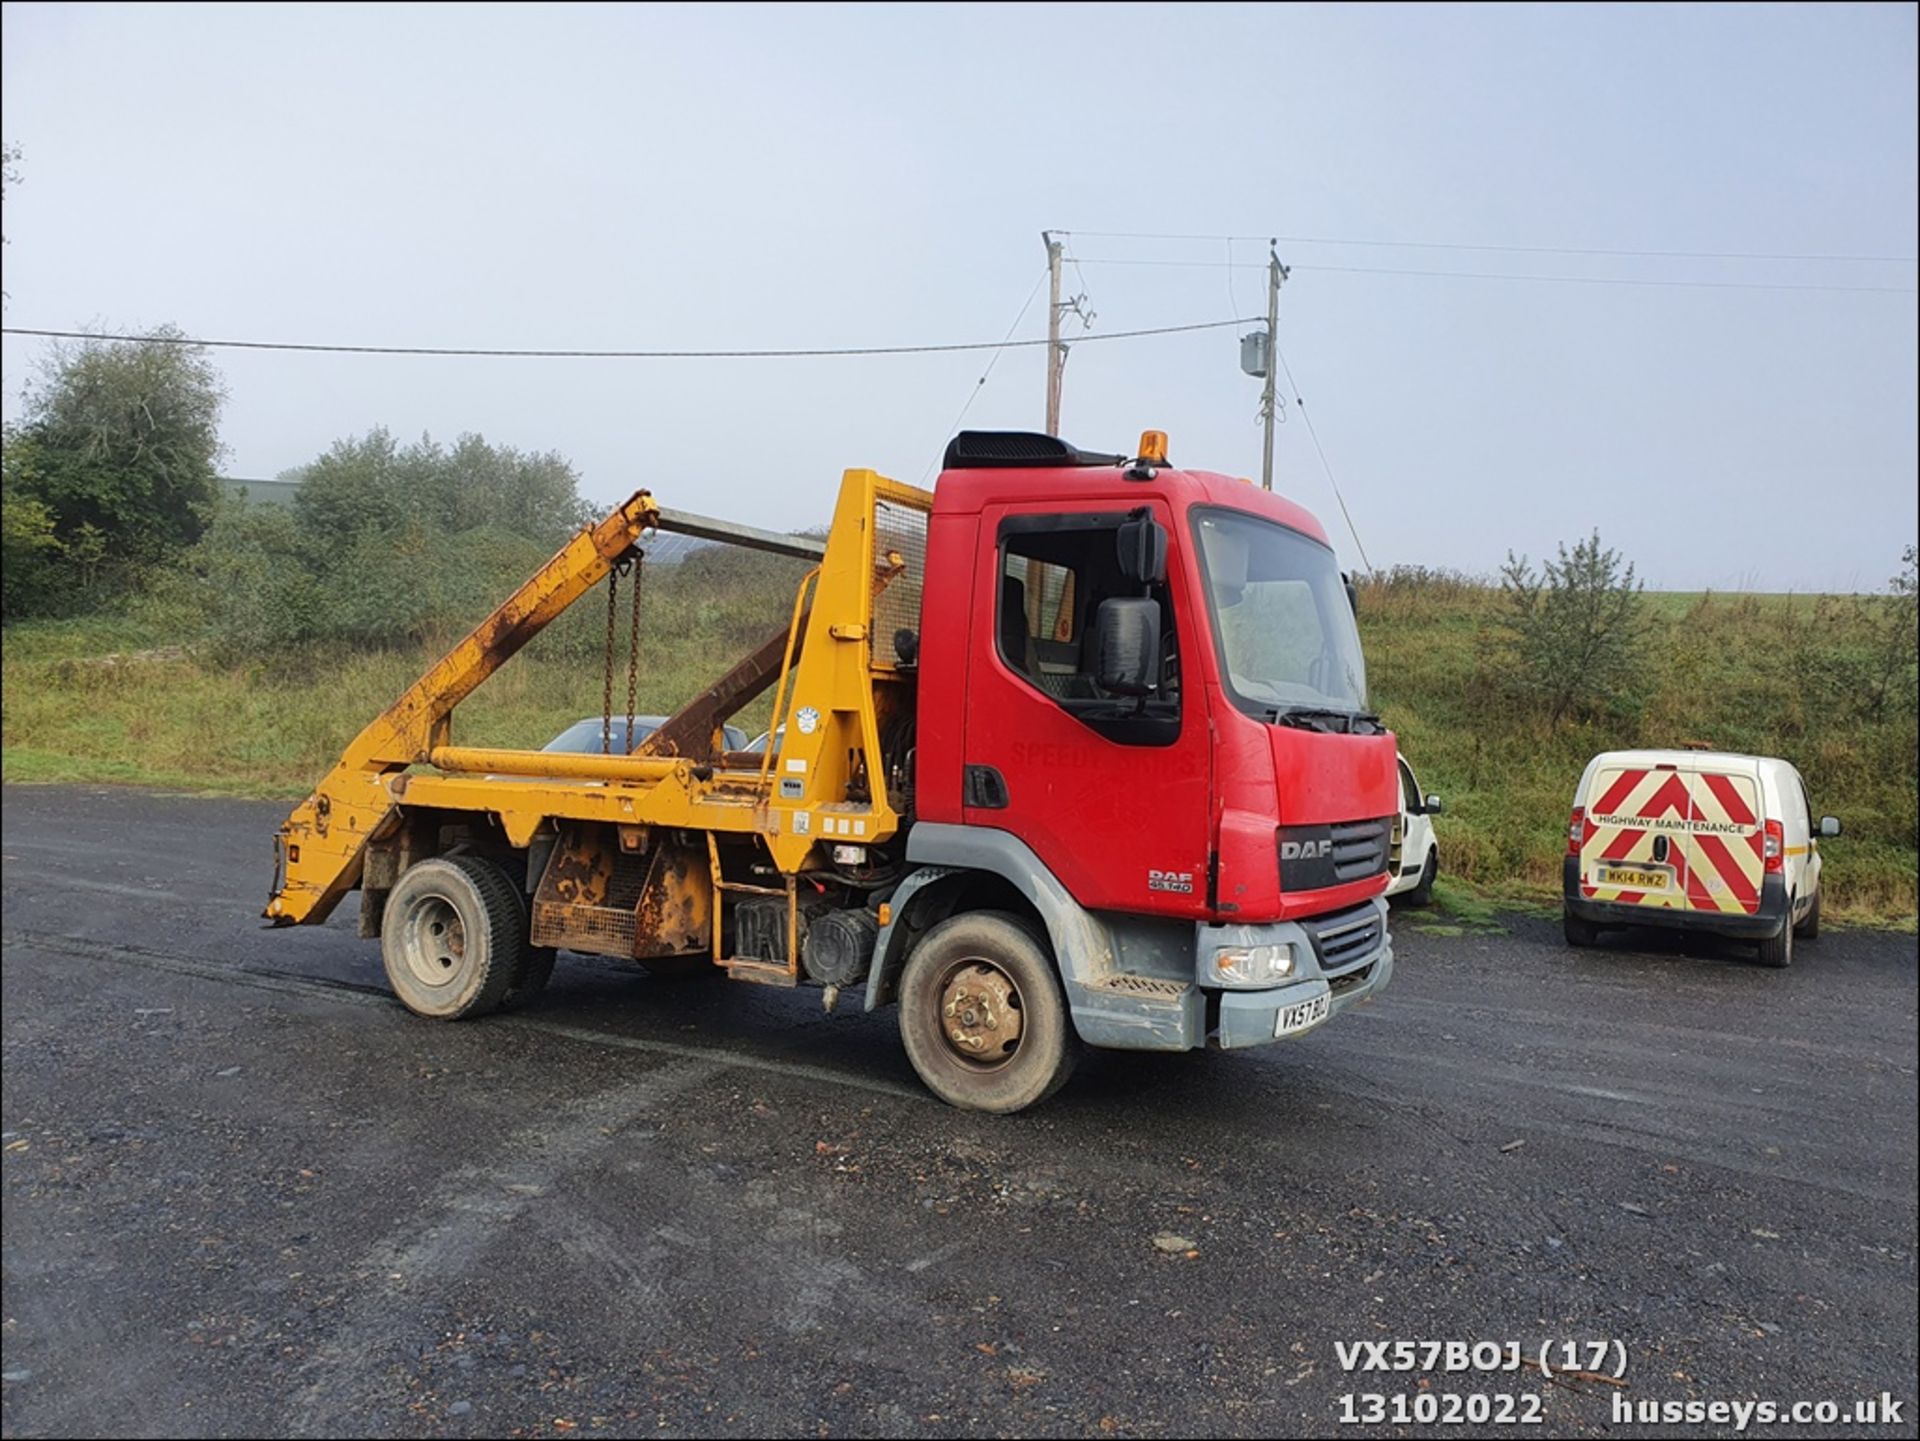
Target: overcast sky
(709, 177)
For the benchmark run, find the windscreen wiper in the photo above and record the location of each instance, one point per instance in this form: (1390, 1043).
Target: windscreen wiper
(1328, 721)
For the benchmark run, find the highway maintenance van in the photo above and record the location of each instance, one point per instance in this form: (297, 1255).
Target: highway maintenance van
(1695, 840)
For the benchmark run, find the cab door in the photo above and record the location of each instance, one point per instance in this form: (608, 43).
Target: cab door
(1112, 793)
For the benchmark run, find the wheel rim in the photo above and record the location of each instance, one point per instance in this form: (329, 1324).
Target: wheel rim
(982, 1014)
(433, 942)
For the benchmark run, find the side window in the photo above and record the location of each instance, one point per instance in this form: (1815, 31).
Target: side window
(1039, 623)
(1054, 572)
(1409, 794)
(1806, 806)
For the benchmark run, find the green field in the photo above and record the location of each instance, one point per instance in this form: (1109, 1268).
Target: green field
(146, 702)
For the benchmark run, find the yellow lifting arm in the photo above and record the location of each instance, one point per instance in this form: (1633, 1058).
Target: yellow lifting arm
(319, 849)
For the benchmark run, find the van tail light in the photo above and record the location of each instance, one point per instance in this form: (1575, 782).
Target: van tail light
(1776, 847)
(1577, 830)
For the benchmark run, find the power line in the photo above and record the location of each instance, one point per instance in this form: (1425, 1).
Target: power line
(763, 354)
(1505, 275)
(1300, 404)
(1509, 249)
(992, 361)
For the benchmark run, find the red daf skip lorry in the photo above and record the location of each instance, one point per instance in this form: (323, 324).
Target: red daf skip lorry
(1074, 749)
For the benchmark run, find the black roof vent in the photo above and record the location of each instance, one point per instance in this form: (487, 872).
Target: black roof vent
(1015, 450)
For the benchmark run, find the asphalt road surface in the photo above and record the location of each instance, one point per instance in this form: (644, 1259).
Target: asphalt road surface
(246, 1194)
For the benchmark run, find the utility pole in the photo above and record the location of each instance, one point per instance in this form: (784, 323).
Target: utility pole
(1269, 405)
(1056, 352)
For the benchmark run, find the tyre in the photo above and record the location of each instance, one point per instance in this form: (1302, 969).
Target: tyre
(1422, 894)
(982, 1015)
(536, 962)
(536, 969)
(1579, 933)
(1810, 927)
(453, 937)
(1777, 951)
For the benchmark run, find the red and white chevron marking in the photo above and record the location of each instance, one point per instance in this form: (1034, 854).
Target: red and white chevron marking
(1709, 823)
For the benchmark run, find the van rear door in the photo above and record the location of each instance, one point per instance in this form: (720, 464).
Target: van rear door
(1632, 852)
(1725, 840)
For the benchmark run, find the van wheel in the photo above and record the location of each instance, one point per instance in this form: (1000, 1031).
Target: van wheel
(1810, 927)
(1579, 933)
(1777, 951)
(982, 1015)
(453, 937)
(1422, 894)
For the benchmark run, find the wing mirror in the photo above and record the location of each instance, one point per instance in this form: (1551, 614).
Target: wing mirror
(1142, 543)
(1829, 827)
(1126, 645)
(1433, 805)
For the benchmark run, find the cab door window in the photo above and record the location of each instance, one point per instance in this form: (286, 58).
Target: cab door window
(1054, 573)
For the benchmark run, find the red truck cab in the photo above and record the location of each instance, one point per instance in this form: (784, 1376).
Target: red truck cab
(1142, 704)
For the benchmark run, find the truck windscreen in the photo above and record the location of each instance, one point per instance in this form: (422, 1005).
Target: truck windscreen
(1282, 624)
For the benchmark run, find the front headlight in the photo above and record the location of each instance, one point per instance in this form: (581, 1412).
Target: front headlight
(1250, 965)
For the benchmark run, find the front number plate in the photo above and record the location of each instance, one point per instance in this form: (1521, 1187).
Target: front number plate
(1304, 1015)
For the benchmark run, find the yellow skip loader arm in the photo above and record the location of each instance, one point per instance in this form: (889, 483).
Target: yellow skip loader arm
(321, 846)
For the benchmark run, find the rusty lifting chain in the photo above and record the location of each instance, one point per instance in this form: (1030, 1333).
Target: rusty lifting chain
(633, 657)
(633, 652)
(606, 689)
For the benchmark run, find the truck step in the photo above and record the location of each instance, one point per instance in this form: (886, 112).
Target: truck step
(760, 973)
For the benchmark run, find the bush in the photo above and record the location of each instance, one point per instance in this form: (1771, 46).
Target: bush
(384, 547)
(112, 471)
(1572, 632)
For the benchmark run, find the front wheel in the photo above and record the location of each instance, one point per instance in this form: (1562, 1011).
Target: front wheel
(453, 937)
(982, 1015)
(1422, 894)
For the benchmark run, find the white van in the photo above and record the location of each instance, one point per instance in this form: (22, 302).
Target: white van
(1413, 856)
(1695, 840)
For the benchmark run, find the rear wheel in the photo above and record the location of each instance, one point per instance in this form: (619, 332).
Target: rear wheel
(1777, 951)
(536, 969)
(453, 937)
(1810, 927)
(1579, 933)
(536, 962)
(982, 1015)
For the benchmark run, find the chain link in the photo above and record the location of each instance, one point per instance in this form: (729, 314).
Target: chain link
(633, 652)
(606, 689)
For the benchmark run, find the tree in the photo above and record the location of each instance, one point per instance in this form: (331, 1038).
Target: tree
(9, 177)
(124, 440)
(384, 545)
(31, 551)
(371, 484)
(1897, 682)
(1573, 627)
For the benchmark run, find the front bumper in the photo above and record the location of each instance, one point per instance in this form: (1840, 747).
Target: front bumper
(1351, 951)
(1758, 926)
(1157, 1004)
